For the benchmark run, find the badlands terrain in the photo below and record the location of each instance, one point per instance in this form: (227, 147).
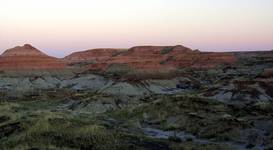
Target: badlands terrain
(144, 97)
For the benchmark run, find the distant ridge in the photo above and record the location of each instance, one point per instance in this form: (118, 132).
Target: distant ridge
(149, 58)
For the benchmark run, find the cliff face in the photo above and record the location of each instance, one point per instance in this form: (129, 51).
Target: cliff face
(27, 58)
(152, 58)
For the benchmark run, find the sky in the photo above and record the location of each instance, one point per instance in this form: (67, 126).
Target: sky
(59, 27)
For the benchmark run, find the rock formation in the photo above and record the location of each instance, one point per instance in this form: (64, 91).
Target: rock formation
(94, 54)
(145, 58)
(152, 58)
(28, 57)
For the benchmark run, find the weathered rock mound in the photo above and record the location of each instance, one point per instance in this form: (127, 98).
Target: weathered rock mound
(94, 54)
(28, 58)
(151, 58)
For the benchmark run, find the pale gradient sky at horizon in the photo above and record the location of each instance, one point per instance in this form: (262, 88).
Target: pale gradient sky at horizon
(59, 27)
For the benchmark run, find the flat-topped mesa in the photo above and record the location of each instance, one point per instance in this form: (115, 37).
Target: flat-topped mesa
(28, 57)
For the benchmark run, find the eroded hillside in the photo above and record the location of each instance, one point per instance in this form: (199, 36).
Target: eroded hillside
(140, 98)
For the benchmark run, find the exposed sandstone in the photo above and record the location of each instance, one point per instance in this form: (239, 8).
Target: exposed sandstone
(28, 57)
(148, 58)
(152, 58)
(94, 54)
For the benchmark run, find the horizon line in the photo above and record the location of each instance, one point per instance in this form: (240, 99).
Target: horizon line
(72, 52)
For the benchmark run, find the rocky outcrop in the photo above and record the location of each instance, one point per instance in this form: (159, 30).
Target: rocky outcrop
(151, 58)
(89, 55)
(28, 57)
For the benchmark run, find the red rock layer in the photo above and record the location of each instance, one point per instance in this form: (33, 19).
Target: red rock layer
(28, 58)
(99, 55)
(154, 58)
